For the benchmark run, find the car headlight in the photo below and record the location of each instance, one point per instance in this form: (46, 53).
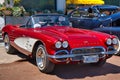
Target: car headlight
(58, 44)
(109, 41)
(65, 44)
(116, 44)
(115, 41)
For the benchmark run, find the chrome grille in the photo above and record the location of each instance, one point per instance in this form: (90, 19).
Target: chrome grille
(88, 50)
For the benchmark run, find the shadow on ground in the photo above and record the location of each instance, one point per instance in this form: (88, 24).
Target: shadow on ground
(84, 70)
(74, 71)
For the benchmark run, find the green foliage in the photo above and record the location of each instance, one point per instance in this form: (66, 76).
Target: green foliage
(17, 11)
(0, 13)
(1, 5)
(38, 5)
(5, 8)
(16, 2)
(8, 1)
(0, 9)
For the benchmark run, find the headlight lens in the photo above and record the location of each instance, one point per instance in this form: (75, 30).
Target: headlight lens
(116, 45)
(109, 41)
(65, 44)
(58, 44)
(115, 41)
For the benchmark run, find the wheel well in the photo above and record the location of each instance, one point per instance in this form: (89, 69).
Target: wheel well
(4, 34)
(35, 47)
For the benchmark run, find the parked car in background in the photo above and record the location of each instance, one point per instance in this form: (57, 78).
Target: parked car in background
(104, 18)
(91, 17)
(51, 40)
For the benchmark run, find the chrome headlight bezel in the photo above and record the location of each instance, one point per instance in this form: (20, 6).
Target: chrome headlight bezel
(65, 44)
(115, 41)
(116, 44)
(109, 41)
(58, 44)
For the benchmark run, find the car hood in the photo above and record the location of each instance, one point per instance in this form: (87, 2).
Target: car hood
(66, 32)
(75, 37)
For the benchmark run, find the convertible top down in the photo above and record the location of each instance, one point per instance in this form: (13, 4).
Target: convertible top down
(51, 40)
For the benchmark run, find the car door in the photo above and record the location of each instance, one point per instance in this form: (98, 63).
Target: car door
(22, 37)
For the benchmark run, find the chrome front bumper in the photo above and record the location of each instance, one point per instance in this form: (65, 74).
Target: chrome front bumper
(81, 54)
(91, 52)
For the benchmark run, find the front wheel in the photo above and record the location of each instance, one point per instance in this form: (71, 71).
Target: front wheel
(42, 61)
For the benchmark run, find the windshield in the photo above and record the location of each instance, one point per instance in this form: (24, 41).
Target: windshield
(50, 20)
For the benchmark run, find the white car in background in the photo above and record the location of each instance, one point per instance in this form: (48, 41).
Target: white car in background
(2, 23)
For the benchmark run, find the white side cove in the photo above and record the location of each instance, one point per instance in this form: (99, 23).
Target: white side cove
(25, 43)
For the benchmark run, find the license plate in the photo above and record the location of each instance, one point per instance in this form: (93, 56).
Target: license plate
(90, 59)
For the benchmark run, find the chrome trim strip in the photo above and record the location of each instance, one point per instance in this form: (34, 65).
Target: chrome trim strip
(81, 54)
(74, 55)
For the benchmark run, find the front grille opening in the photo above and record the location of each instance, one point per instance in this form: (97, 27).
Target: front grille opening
(110, 48)
(87, 50)
(61, 53)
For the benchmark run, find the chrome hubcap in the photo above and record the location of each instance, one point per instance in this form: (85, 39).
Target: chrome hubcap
(40, 57)
(6, 41)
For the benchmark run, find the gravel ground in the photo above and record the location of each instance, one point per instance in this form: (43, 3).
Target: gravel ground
(17, 67)
(7, 58)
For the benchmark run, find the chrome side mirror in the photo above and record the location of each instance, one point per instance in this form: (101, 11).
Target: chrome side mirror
(36, 25)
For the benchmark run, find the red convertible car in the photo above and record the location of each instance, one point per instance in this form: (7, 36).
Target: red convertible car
(51, 40)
